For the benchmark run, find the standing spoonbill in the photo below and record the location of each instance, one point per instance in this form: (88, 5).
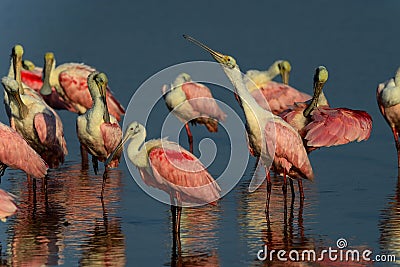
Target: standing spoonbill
(7, 205)
(70, 82)
(322, 126)
(192, 102)
(98, 131)
(278, 96)
(262, 126)
(39, 125)
(388, 98)
(17, 154)
(169, 167)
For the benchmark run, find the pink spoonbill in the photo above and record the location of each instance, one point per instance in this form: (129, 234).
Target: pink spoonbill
(289, 156)
(98, 131)
(70, 82)
(322, 126)
(193, 102)
(169, 167)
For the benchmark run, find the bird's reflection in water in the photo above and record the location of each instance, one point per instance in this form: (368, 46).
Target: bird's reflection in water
(389, 226)
(199, 240)
(285, 230)
(69, 213)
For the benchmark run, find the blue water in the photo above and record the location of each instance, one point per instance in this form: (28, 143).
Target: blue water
(354, 194)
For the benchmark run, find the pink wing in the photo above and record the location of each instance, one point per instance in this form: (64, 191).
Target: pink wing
(337, 126)
(290, 154)
(201, 99)
(112, 135)
(180, 171)
(46, 128)
(7, 204)
(74, 82)
(17, 154)
(278, 96)
(114, 107)
(32, 79)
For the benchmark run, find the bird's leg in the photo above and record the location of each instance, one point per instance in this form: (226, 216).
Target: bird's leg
(300, 182)
(292, 188)
(173, 216)
(190, 137)
(300, 218)
(105, 175)
(85, 158)
(34, 191)
(178, 222)
(284, 186)
(44, 189)
(269, 187)
(95, 164)
(284, 190)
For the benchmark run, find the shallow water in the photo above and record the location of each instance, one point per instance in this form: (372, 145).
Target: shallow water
(355, 193)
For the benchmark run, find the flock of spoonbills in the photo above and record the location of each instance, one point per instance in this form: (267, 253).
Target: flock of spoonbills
(283, 125)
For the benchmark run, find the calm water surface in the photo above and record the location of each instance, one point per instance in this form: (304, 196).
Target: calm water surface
(355, 195)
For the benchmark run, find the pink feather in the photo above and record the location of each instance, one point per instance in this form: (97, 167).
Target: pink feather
(176, 169)
(278, 96)
(17, 154)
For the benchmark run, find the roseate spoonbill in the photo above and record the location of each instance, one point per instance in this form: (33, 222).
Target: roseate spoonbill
(278, 96)
(322, 126)
(39, 125)
(169, 167)
(192, 102)
(289, 156)
(98, 131)
(17, 154)
(70, 82)
(7, 205)
(388, 97)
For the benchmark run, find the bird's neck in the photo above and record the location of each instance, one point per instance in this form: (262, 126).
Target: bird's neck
(272, 71)
(14, 72)
(137, 151)
(52, 75)
(249, 104)
(256, 116)
(18, 108)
